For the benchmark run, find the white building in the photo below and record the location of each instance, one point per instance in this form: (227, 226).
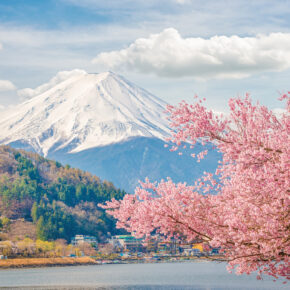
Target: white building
(126, 242)
(79, 239)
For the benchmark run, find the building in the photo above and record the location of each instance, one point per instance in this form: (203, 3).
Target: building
(191, 252)
(127, 242)
(79, 239)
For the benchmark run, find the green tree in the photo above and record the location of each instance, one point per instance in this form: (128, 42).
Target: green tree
(40, 229)
(34, 213)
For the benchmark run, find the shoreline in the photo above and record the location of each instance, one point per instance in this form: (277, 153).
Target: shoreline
(79, 261)
(45, 262)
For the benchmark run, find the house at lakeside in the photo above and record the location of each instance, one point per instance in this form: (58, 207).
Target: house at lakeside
(126, 242)
(80, 239)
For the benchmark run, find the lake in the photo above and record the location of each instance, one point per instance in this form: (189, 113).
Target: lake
(180, 275)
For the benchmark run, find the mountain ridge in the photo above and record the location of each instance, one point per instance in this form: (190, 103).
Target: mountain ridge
(60, 201)
(83, 111)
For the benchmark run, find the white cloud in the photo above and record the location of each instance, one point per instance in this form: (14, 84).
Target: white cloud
(169, 54)
(279, 112)
(182, 1)
(61, 76)
(6, 85)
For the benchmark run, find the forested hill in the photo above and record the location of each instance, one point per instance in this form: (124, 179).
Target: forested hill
(60, 201)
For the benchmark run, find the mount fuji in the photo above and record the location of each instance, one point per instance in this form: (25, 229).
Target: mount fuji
(101, 123)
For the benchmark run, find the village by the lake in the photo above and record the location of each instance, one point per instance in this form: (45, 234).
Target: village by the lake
(85, 249)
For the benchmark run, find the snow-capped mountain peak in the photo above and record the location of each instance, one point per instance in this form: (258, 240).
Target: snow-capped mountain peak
(79, 110)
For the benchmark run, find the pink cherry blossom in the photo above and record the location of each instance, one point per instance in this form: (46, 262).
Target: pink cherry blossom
(243, 208)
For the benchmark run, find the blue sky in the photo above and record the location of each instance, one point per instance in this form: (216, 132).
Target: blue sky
(173, 48)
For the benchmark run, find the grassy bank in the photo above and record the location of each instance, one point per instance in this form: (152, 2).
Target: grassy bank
(45, 262)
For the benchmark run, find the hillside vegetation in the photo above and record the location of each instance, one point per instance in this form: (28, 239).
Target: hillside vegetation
(60, 201)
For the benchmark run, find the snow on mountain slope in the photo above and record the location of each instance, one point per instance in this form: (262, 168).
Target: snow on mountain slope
(79, 110)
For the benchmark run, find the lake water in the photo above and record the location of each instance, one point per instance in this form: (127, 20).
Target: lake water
(186, 275)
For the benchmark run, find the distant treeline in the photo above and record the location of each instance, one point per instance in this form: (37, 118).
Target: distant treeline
(61, 201)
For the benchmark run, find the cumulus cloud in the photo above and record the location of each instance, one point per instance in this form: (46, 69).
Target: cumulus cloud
(168, 54)
(61, 76)
(6, 85)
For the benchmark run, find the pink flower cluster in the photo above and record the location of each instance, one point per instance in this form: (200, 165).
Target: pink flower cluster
(248, 215)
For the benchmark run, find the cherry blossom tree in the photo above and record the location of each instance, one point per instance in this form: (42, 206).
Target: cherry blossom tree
(242, 208)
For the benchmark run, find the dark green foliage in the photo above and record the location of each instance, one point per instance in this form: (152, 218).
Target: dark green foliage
(54, 197)
(52, 222)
